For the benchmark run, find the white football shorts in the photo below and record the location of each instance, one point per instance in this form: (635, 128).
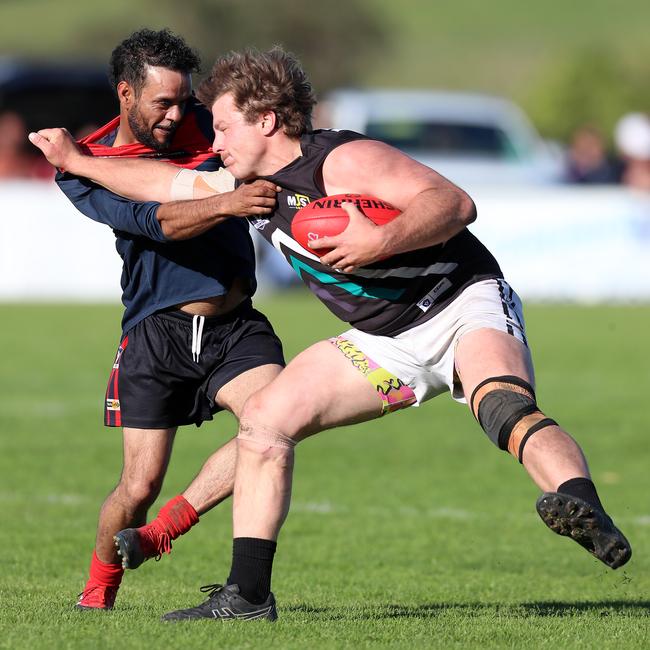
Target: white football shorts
(423, 357)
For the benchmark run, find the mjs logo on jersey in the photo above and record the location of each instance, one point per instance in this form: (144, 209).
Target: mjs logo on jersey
(297, 201)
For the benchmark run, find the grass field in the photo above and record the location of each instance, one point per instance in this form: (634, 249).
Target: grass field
(412, 531)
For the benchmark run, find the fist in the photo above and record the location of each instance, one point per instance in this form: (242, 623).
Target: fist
(57, 146)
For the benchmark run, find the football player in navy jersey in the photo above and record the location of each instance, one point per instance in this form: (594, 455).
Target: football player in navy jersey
(429, 308)
(191, 342)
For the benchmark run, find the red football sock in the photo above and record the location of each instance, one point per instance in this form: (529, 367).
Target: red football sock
(105, 574)
(175, 518)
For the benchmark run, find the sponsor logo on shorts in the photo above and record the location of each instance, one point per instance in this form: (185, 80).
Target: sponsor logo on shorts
(118, 356)
(297, 201)
(112, 404)
(425, 303)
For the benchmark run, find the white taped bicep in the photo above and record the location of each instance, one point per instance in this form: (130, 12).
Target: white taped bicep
(192, 184)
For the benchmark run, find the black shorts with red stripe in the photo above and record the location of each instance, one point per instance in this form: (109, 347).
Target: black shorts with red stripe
(169, 366)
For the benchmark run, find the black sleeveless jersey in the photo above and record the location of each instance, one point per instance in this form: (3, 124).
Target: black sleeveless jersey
(386, 297)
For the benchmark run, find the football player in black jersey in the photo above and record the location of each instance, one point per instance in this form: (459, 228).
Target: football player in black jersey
(430, 311)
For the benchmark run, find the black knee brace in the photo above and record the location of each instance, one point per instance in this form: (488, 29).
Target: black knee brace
(506, 409)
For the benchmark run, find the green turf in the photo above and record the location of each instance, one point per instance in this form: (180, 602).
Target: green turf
(412, 531)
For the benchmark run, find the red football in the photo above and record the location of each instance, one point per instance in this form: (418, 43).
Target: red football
(325, 217)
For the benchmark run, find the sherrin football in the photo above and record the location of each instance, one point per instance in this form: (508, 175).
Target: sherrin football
(325, 217)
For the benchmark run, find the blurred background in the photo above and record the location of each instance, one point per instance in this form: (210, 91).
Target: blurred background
(540, 112)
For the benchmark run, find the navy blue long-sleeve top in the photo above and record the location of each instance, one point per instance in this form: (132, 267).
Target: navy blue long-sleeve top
(158, 273)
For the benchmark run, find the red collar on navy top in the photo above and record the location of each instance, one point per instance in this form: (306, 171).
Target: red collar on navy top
(189, 147)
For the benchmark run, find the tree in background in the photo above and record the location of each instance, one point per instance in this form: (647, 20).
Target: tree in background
(333, 50)
(566, 63)
(591, 86)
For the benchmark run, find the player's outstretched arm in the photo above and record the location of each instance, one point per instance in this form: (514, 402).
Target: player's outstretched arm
(433, 208)
(147, 181)
(136, 179)
(187, 219)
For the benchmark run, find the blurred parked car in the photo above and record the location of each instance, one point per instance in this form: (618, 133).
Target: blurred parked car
(470, 138)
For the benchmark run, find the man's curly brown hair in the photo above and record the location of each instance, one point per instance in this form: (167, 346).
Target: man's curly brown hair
(263, 81)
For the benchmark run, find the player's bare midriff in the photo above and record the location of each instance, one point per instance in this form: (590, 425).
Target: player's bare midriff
(218, 305)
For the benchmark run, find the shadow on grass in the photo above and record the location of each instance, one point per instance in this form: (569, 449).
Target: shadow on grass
(514, 610)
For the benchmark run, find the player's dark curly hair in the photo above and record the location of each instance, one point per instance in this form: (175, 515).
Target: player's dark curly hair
(146, 47)
(263, 81)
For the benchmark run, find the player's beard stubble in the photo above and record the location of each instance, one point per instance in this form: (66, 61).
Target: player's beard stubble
(143, 133)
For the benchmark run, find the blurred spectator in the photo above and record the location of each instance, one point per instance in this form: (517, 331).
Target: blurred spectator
(632, 136)
(16, 157)
(587, 158)
(15, 160)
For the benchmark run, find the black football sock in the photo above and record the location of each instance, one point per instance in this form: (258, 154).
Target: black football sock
(252, 564)
(584, 489)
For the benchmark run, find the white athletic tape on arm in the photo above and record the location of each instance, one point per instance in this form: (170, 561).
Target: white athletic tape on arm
(187, 181)
(182, 187)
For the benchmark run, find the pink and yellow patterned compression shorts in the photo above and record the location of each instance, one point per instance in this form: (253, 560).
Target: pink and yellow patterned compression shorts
(394, 393)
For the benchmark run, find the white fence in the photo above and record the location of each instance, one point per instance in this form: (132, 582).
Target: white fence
(50, 251)
(569, 243)
(553, 243)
